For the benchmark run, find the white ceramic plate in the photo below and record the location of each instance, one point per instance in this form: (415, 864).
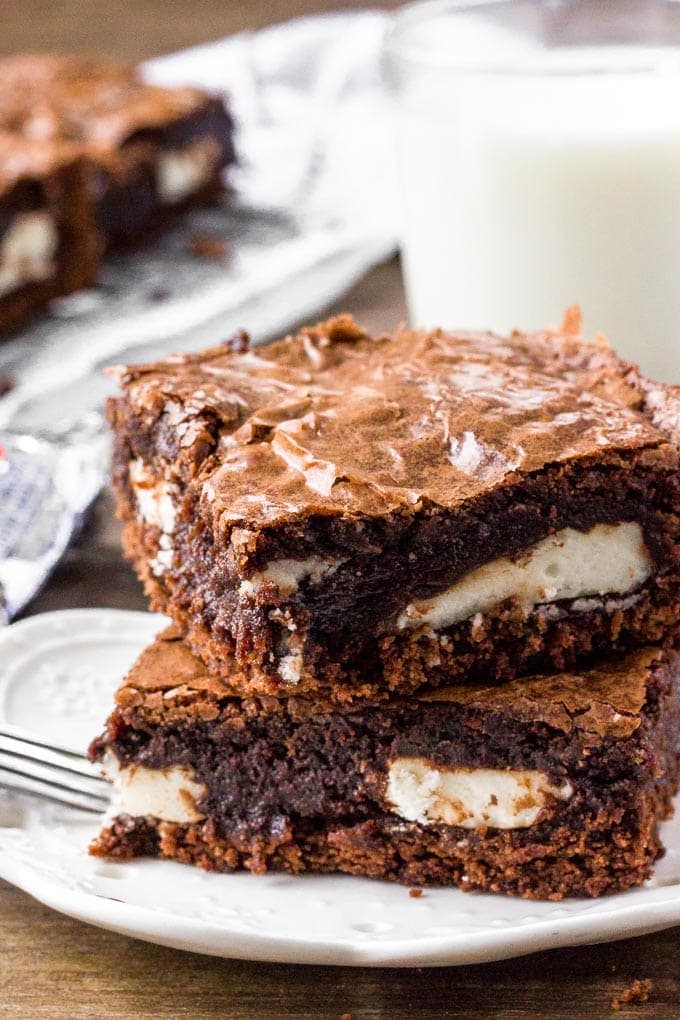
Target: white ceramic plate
(57, 676)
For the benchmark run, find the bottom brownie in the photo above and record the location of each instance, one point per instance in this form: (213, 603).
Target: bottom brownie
(545, 787)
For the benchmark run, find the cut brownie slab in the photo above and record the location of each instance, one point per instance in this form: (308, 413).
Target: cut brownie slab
(544, 787)
(48, 242)
(364, 515)
(154, 149)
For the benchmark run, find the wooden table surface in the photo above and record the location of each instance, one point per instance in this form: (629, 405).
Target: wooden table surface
(51, 966)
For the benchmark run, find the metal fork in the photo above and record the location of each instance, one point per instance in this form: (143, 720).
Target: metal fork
(33, 766)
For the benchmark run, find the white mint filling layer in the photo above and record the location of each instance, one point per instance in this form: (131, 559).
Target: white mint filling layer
(287, 574)
(470, 798)
(28, 250)
(155, 496)
(610, 559)
(156, 501)
(170, 794)
(181, 172)
(417, 791)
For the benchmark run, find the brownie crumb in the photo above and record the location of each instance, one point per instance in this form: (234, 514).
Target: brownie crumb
(207, 246)
(572, 321)
(159, 294)
(415, 894)
(637, 993)
(238, 343)
(7, 384)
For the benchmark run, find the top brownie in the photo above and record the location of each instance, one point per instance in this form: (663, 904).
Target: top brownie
(366, 514)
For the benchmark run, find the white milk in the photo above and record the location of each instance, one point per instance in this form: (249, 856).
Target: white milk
(526, 193)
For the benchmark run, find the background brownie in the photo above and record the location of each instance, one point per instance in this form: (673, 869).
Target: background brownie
(363, 515)
(544, 787)
(48, 242)
(154, 149)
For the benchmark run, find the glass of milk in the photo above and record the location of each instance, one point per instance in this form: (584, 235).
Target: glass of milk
(539, 153)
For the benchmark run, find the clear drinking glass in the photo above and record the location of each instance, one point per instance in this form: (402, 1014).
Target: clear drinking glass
(539, 153)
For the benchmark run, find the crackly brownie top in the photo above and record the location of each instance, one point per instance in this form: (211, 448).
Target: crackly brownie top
(100, 102)
(168, 685)
(334, 420)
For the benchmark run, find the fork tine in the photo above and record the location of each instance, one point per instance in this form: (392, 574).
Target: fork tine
(42, 753)
(31, 765)
(16, 733)
(53, 774)
(38, 788)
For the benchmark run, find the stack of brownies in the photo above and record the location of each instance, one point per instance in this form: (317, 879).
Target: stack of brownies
(92, 157)
(424, 589)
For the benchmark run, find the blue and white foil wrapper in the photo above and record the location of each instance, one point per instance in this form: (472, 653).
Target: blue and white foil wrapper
(314, 208)
(46, 489)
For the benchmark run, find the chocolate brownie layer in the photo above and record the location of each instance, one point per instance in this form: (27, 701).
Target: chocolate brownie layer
(546, 787)
(365, 515)
(49, 245)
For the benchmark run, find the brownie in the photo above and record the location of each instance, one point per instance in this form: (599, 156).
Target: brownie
(154, 150)
(544, 787)
(353, 515)
(49, 245)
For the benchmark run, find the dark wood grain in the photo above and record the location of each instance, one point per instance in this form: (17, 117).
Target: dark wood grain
(53, 967)
(142, 28)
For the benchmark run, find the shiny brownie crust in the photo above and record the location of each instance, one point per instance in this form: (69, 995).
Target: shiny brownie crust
(289, 452)
(296, 785)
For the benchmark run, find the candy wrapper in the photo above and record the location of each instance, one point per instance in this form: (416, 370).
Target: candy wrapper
(46, 489)
(313, 208)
